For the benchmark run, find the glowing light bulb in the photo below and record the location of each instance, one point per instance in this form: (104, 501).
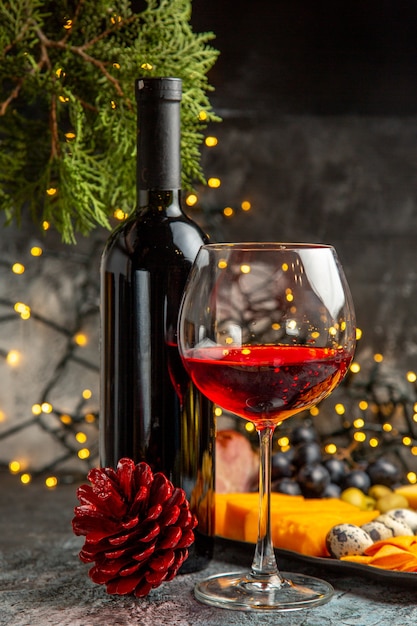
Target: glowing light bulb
(46, 407)
(411, 377)
(191, 199)
(81, 339)
(146, 66)
(214, 182)
(18, 268)
(246, 205)
(23, 310)
(119, 214)
(228, 211)
(211, 141)
(331, 448)
(51, 482)
(358, 334)
(202, 116)
(25, 478)
(355, 368)
(87, 393)
(84, 453)
(81, 437)
(378, 358)
(15, 466)
(36, 251)
(359, 436)
(13, 358)
(339, 408)
(412, 478)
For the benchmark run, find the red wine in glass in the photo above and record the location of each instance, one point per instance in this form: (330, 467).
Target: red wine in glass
(267, 383)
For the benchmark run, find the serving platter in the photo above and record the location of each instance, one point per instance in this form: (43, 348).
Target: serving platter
(327, 564)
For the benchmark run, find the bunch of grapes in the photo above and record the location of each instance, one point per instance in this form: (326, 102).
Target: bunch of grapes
(305, 470)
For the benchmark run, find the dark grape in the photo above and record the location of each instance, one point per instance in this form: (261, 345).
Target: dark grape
(331, 491)
(383, 472)
(301, 434)
(307, 453)
(357, 478)
(281, 465)
(313, 479)
(288, 486)
(336, 468)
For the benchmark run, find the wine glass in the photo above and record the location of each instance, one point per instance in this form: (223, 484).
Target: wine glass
(266, 330)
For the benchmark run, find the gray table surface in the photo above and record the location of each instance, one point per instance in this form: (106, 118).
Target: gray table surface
(42, 580)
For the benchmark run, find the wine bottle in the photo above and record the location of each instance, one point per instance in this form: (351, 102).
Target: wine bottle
(150, 410)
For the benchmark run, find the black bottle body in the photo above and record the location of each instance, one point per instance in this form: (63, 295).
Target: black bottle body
(150, 410)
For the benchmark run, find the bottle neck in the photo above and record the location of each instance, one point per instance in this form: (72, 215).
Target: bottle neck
(167, 202)
(158, 145)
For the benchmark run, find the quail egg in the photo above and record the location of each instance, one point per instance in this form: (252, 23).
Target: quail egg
(377, 530)
(407, 516)
(398, 526)
(346, 540)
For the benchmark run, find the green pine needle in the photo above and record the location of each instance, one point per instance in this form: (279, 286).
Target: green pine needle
(67, 103)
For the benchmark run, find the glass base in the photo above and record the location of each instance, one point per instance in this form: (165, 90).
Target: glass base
(243, 592)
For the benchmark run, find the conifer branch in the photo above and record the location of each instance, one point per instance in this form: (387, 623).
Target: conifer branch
(67, 73)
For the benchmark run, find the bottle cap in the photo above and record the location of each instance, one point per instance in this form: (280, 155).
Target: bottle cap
(160, 88)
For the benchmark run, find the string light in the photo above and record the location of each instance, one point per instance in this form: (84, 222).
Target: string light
(211, 141)
(18, 268)
(411, 377)
(13, 358)
(15, 467)
(191, 199)
(119, 214)
(72, 430)
(81, 339)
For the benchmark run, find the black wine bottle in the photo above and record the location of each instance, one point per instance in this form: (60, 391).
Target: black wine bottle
(150, 411)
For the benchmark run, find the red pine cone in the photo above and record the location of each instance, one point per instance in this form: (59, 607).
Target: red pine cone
(138, 527)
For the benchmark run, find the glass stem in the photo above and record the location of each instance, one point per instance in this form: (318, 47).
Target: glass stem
(264, 564)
